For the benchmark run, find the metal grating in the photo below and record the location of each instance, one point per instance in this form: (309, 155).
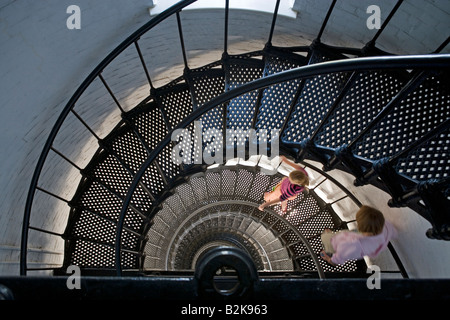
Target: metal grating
(428, 161)
(92, 255)
(176, 103)
(168, 166)
(206, 86)
(240, 110)
(153, 180)
(96, 225)
(111, 173)
(89, 225)
(213, 184)
(113, 176)
(98, 199)
(88, 254)
(243, 183)
(304, 209)
(186, 195)
(151, 126)
(276, 99)
(414, 116)
(365, 99)
(199, 187)
(228, 184)
(316, 98)
(129, 149)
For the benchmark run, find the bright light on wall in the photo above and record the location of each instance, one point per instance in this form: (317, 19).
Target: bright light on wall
(285, 8)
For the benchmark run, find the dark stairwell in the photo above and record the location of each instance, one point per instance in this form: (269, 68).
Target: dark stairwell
(137, 218)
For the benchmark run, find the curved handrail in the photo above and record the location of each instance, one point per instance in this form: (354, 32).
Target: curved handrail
(409, 62)
(69, 106)
(295, 230)
(431, 61)
(274, 214)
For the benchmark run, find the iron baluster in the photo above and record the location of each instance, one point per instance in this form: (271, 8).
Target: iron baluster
(180, 33)
(274, 19)
(225, 37)
(111, 93)
(52, 194)
(325, 21)
(385, 23)
(86, 125)
(65, 158)
(138, 49)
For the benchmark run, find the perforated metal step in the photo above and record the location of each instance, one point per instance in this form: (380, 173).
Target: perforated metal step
(316, 106)
(220, 206)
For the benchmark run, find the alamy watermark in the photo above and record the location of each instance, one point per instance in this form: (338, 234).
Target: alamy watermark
(374, 280)
(74, 280)
(74, 20)
(374, 20)
(207, 146)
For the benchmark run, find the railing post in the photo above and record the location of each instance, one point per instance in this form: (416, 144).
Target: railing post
(138, 49)
(183, 48)
(225, 37)
(308, 143)
(272, 27)
(371, 43)
(325, 21)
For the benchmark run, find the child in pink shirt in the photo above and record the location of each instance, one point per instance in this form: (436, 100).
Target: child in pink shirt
(288, 188)
(373, 237)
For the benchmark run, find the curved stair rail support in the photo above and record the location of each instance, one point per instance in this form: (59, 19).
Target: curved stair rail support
(434, 61)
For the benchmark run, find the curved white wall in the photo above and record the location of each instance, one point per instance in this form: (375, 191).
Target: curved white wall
(43, 62)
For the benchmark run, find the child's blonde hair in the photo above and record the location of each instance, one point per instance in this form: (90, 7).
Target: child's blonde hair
(299, 177)
(370, 220)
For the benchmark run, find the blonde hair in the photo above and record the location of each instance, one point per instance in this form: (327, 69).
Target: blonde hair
(370, 220)
(299, 177)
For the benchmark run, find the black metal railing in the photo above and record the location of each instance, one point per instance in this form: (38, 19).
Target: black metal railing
(355, 66)
(69, 108)
(350, 65)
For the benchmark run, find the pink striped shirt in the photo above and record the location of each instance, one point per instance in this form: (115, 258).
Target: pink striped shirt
(289, 189)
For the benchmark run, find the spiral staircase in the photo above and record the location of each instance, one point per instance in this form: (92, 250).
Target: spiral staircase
(136, 212)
